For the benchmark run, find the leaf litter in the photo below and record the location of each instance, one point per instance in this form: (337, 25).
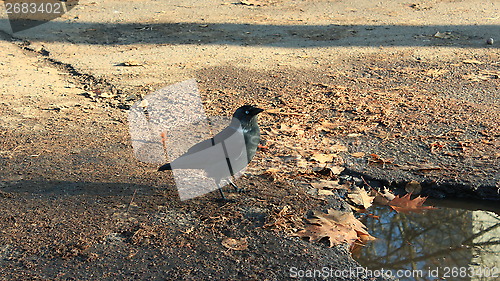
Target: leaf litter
(308, 135)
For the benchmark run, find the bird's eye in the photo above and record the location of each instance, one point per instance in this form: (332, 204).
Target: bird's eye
(247, 112)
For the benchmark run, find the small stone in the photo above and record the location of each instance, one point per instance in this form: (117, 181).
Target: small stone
(490, 41)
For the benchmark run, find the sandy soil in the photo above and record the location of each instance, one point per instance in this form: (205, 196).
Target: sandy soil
(374, 77)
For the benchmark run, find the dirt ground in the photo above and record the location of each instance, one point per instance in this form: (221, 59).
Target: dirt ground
(410, 88)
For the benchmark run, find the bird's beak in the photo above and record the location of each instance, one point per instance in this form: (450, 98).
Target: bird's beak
(257, 110)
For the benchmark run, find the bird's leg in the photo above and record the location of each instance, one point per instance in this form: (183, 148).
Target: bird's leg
(221, 193)
(236, 188)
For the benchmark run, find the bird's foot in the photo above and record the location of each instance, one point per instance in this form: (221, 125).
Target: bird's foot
(236, 188)
(224, 200)
(240, 190)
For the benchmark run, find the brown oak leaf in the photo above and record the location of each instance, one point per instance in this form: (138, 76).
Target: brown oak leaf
(337, 226)
(360, 197)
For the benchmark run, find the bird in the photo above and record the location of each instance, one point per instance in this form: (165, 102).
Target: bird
(228, 152)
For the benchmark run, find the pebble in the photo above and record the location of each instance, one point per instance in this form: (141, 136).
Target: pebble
(490, 41)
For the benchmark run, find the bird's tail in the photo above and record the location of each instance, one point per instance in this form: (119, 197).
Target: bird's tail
(165, 167)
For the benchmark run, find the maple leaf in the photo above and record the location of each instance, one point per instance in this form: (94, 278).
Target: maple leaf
(337, 226)
(360, 197)
(405, 204)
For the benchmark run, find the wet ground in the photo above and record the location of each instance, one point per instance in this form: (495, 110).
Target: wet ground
(451, 242)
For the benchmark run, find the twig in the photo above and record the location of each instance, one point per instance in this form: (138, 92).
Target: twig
(131, 200)
(367, 184)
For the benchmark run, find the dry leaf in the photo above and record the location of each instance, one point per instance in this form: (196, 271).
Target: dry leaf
(131, 63)
(358, 154)
(324, 192)
(324, 184)
(435, 72)
(338, 148)
(379, 160)
(323, 158)
(252, 2)
(288, 129)
(235, 244)
(106, 95)
(360, 197)
(284, 220)
(337, 226)
(335, 170)
(354, 135)
(444, 35)
(328, 126)
(405, 204)
(272, 174)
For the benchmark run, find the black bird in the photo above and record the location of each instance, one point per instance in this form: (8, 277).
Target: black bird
(239, 143)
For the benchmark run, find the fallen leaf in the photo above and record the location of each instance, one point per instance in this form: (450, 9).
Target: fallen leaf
(131, 63)
(435, 72)
(379, 160)
(358, 154)
(338, 148)
(405, 204)
(106, 95)
(325, 192)
(272, 174)
(354, 135)
(483, 75)
(235, 244)
(325, 184)
(360, 197)
(337, 226)
(252, 2)
(273, 110)
(335, 170)
(323, 158)
(444, 35)
(284, 220)
(328, 126)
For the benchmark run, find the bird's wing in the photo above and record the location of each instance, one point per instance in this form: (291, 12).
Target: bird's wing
(214, 153)
(199, 147)
(221, 136)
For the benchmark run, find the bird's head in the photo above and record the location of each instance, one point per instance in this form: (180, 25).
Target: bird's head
(246, 113)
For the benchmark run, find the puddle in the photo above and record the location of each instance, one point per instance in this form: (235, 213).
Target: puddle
(443, 244)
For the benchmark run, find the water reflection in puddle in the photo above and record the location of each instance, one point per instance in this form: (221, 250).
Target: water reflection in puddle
(442, 244)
